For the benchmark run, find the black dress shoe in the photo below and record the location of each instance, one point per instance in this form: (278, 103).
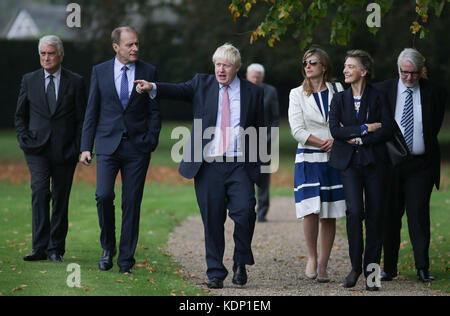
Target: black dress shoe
(240, 274)
(386, 276)
(215, 284)
(36, 256)
(425, 275)
(106, 262)
(351, 279)
(55, 257)
(126, 271)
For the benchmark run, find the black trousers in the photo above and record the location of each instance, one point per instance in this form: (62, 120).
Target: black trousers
(51, 181)
(410, 188)
(263, 196)
(133, 166)
(220, 186)
(364, 189)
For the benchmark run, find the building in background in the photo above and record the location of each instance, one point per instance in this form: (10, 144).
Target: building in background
(33, 21)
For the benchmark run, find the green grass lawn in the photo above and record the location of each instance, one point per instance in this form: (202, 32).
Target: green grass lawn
(163, 208)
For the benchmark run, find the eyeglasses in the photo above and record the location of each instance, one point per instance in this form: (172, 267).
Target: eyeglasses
(312, 62)
(407, 73)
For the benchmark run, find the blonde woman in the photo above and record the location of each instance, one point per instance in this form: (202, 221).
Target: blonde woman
(319, 196)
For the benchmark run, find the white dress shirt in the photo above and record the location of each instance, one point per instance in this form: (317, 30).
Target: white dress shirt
(418, 140)
(234, 147)
(56, 80)
(118, 76)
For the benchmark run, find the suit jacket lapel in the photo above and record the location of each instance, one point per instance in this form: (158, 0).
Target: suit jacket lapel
(365, 106)
(43, 96)
(245, 102)
(392, 95)
(63, 84)
(138, 74)
(109, 76)
(349, 105)
(311, 101)
(425, 97)
(211, 104)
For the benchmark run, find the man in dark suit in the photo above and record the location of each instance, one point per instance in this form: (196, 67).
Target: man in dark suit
(418, 107)
(225, 169)
(255, 74)
(48, 120)
(125, 126)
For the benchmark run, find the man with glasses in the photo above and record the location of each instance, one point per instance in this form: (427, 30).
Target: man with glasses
(223, 169)
(418, 107)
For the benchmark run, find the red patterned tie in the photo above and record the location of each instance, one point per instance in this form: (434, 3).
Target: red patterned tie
(225, 122)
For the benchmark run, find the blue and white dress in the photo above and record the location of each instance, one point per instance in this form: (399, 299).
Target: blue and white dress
(317, 186)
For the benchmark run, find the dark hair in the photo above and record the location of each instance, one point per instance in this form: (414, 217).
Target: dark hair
(115, 35)
(365, 61)
(324, 59)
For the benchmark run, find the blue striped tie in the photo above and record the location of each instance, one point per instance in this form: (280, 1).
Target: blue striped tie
(408, 119)
(124, 97)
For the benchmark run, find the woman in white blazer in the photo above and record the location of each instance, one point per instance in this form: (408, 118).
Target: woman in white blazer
(319, 195)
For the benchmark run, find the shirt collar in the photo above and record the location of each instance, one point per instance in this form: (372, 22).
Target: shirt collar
(119, 65)
(56, 75)
(403, 88)
(233, 85)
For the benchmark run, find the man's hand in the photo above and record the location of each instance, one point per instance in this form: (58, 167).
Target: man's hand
(86, 158)
(143, 86)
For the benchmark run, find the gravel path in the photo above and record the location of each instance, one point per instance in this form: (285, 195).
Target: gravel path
(280, 255)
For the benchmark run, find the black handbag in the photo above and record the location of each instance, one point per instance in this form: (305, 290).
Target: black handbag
(397, 148)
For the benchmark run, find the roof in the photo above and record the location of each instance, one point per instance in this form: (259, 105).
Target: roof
(34, 21)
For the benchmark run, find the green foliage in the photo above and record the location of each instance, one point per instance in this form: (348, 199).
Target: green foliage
(307, 16)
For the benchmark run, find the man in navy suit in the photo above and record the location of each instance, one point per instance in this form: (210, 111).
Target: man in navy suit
(226, 168)
(48, 120)
(125, 126)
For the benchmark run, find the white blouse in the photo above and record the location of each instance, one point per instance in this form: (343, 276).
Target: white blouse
(305, 117)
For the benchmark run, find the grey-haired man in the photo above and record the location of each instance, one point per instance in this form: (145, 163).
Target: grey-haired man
(418, 107)
(48, 120)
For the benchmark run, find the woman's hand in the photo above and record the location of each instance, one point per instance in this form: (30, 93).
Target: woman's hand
(372, 127)
(327, 145)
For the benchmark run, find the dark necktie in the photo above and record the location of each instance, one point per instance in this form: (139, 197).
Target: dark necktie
(124, 97)
(51, 95)
(407, 120)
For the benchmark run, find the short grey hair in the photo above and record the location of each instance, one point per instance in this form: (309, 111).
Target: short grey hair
(256, 67)
(228, 52)
(413, 56)
(52, 40)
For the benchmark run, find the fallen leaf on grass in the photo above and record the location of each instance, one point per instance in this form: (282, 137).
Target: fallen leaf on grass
(118, 281)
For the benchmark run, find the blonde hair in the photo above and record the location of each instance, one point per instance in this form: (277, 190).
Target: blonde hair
(229, 53)
(324, 59)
